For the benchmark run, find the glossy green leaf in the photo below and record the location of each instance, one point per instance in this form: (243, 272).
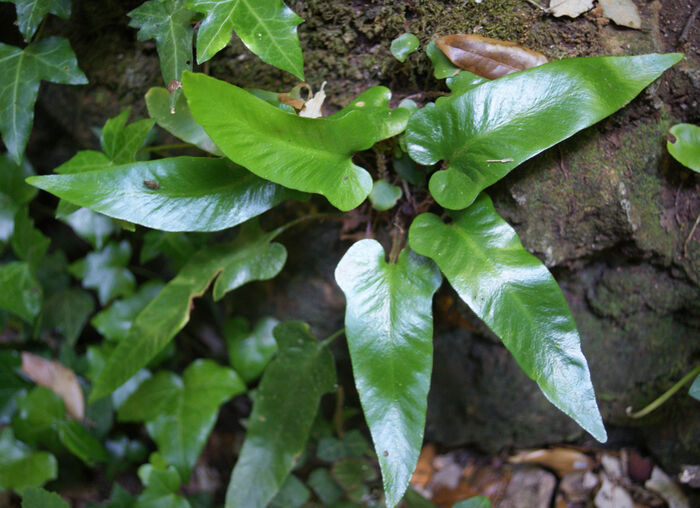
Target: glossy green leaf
(683, 143)
(374, 104)
(517, 297)
(14, 192)
(21, 293)
(384, 195)
(250, 351)
(161, 488)
(35, 497)
(267, 27)
(50, 59)
(292, 494)
(389, 327)
(286, 403)
(66, 311)
(442, 67)
(91, 226)
(308, 154)
(105, 271)
(252, 256)
(20, 467)
(31, 12)
(474, 502)
(177, 194)
(170, 24)
(120, 141)
(403, 46)
(487, 131)
(84, 160)
(463, 82)
(114, 322)
(177, 119)
(80, 442)
(29, 243)
(38, 411)
(180, 413)
(694, 390)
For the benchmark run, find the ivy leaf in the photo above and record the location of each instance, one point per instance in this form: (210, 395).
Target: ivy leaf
(182, 424)
(683, 144)
(308, 154)
(517, 297)
(250, 257)
(21, 293)
(35, 497)
(105, 272)
(176, 194)
(286, 403)
(249, 350)
(93, 227)
(389, 327)
(267, 27)
(161, 489)
(66, 311)
(403, 46)
(50, 59)
(292, 494)
(14, 193)
(177, 247)
(29, 243)
(490, 129)
(80, 442)
(114, 322)
(37, 412)
(442, 67)
(11, 385)
(169, 24)
(178, 120)
(31, 12)
(119, 141)
(20, 467)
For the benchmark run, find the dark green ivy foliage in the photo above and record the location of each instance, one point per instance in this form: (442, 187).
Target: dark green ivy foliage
(255, 154)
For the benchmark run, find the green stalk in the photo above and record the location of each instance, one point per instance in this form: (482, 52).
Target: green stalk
(667, 395)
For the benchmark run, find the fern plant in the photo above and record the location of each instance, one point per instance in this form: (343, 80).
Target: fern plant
(258, 152)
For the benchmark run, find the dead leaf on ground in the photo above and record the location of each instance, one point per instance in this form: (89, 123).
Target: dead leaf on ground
(57, 378)
(562, 460)
(571, 8)
(622, 12)
(424, 469)
(488, 58)
(663, 485)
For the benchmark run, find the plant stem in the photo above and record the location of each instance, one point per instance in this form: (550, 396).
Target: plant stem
(275, 233)
(37, 35)
(174, 146)
(333, 336)
(667, 395)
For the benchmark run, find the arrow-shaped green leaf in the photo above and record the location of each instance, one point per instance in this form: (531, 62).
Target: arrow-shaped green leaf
(308, 154)
(286, 403)
(267, 27)
(105, 271)
(250, 257)
(517, 297)
(21, 292)
(487, 131)
(51, 59)
(31, 12)
(389, 326)
(182, 424)
(177, 194)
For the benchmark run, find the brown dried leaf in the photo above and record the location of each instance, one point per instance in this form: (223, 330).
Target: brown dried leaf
(57, 378)
(488, 58)
(294, 102)
(562, 460)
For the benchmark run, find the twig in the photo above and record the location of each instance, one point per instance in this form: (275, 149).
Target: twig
(687, 240)
(689, 24)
